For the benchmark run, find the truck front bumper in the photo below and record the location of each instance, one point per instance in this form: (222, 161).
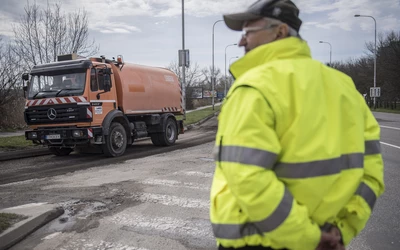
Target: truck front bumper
(64, 136)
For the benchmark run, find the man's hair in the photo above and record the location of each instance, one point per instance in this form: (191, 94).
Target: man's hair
(292, 32)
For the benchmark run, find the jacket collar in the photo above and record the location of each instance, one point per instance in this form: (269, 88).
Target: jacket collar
(288, 48)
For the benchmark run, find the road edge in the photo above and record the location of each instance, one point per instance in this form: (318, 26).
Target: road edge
(22, 229)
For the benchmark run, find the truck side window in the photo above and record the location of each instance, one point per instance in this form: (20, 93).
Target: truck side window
(100, 78)
(93, 81)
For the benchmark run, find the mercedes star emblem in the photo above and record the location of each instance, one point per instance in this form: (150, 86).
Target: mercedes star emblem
(51, 114)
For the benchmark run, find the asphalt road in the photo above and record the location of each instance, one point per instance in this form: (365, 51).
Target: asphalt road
(159, 201)
(383, 229)
(50, 165)
(143, 203)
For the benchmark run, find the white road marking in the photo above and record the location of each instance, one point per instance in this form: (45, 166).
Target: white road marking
(195, 173)
(387, 144)
(51, 236)
(197, 228)
(92, 245)
(171, 200)
(178, 184)
(390, 127)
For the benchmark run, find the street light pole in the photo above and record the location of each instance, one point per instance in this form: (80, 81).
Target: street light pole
(212, 73)
(225, 64)
(231, 60)
(375, 55)
(330, 53)
(184, 62)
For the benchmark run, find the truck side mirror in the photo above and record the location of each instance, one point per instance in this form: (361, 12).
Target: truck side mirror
(107, 83)
(25, 76)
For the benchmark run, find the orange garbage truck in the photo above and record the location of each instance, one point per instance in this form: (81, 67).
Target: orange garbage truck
(82, 103)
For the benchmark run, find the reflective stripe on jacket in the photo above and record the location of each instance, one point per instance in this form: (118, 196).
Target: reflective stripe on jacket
(296, 147)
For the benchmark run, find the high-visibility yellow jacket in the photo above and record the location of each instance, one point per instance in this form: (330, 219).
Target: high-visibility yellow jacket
(296, 147)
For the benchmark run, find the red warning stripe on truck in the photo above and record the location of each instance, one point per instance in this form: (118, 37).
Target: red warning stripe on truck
(57, 100)
(170, 109)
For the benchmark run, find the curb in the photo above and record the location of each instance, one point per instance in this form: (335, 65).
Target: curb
(191, 126)
(24, 153)
(22, 229)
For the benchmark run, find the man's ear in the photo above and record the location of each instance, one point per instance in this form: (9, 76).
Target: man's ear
(283, 31)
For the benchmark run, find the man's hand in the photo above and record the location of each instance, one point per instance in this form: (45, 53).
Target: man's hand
(330, 240)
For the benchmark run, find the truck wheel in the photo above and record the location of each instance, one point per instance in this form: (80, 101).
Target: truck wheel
(61, 151)
(154, 139)
(168, 137)
(115, 142)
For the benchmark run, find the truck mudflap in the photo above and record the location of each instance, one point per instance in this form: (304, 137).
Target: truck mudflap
(181, 129)
(63, 136)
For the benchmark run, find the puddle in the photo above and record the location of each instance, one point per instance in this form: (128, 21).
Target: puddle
(75, 210)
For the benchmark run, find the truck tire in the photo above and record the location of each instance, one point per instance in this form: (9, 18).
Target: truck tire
(154, 139)
(168, 137)
(61, 151)
(116, 141)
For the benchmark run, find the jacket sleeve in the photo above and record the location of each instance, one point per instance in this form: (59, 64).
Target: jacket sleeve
(248, 149)
(354, 216)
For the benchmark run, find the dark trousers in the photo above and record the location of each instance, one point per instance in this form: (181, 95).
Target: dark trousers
(246, 248)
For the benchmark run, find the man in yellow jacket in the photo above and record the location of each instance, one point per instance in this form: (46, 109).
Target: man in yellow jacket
(298, 161)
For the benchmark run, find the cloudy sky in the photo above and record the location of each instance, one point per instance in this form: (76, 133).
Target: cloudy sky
(149, 32)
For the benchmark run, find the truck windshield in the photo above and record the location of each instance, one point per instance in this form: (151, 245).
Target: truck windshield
(53, 85)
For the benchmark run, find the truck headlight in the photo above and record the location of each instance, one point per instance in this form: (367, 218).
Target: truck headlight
(77, 133)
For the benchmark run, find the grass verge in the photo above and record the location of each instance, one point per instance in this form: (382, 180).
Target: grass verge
(7, 220)
(395, 111)
(14, 142)
(198, 115)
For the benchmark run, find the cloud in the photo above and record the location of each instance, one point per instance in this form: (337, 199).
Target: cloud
(6, 24)
(110, 27)
(161, 22)
(106, 15)
(340, 13)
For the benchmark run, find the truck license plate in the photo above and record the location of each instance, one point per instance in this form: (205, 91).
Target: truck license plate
(52, 137)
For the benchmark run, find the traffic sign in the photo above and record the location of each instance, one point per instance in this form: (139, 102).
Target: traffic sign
(184, 58)
(375, 92)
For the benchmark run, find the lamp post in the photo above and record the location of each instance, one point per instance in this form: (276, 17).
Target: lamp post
(330, 52)
(374, 55)
(212, 70)
(231, 60)
(225, 63)
(184, 61)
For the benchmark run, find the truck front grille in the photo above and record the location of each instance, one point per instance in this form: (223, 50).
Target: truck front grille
(67, 113)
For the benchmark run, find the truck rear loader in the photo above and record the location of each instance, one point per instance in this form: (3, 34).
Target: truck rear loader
(100, 103)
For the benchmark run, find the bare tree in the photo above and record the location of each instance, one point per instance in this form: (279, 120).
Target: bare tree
(207, 72)
(10, 70)
(192, 74)
(388, 64)
(43, 34)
